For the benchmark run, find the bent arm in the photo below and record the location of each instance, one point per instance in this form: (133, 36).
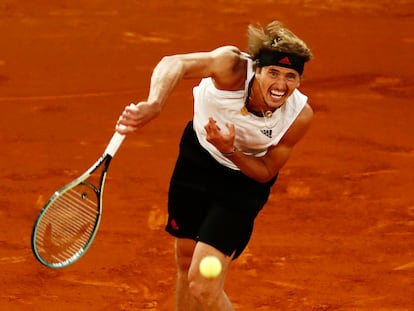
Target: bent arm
(263, 169)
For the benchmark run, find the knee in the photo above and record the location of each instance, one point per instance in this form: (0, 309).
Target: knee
(205, 291)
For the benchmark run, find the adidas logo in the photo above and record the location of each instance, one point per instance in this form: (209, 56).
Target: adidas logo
(285, 60)
(268, 133)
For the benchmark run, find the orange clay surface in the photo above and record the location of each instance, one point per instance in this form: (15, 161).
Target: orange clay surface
(338, 231)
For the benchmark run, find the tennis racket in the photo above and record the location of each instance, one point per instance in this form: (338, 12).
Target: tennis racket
(69, 221)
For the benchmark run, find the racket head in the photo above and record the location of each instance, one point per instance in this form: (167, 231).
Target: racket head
(68, 223)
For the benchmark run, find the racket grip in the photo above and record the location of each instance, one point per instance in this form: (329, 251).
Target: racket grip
(114, 144)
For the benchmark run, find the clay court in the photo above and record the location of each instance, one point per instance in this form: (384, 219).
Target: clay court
(338, 231)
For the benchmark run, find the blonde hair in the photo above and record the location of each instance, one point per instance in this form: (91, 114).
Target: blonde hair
(275, 37)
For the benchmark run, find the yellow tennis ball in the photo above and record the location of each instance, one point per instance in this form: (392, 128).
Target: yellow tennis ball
(210, 267)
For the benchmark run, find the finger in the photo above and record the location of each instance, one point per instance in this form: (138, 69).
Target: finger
(126, 119)
(131, 108)
(213, 125)
(211, 121)
(130, 113)
(121, 128)
(231, 129)
(212, 129)
(124, 129)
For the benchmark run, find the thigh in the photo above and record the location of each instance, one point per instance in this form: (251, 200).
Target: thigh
(227, 229)
(184, 249)
(187, 209)
(202, 250)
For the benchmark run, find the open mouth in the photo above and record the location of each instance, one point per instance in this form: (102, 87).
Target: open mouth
(277, 94)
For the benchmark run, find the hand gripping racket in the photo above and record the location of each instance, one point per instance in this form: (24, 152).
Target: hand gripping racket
(67, 224)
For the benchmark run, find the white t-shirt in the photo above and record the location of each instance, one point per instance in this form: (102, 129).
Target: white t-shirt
(254, 135)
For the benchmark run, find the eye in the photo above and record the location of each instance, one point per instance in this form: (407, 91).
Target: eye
(273, 73)
(291, 76)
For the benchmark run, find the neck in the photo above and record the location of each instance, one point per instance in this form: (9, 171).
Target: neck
(255, 102)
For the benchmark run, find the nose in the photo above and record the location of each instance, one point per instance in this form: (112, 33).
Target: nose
(280, 82)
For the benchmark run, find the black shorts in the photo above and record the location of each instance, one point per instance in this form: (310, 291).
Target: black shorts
(211, 203)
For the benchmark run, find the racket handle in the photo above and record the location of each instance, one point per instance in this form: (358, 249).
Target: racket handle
(114, 144)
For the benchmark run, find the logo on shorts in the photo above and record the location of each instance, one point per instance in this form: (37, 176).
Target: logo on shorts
(174, 225)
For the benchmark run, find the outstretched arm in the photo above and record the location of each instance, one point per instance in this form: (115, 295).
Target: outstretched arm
(221, 64)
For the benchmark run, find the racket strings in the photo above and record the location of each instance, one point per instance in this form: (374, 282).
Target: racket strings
(67, 225)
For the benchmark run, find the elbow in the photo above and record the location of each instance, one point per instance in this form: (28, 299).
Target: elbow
(173, 63)
(167, 59)
(267, 173)
(265, 179)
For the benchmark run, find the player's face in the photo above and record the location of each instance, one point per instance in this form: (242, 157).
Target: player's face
(277, 84)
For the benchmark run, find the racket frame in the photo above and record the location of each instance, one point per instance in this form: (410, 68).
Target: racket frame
(103, 161)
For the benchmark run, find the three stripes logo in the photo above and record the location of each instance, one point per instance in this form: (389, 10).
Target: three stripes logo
(268, 133)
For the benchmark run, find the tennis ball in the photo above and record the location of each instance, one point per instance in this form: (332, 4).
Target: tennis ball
(210, 267)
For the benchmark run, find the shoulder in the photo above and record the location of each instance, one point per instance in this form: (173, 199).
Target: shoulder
(305, 116)
(299, 127)
(228, 52)
(301, 101)
(229, 67)
(227, 58)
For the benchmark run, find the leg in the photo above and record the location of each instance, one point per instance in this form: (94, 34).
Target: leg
(209, 292)
(194, 292)
(185, 301)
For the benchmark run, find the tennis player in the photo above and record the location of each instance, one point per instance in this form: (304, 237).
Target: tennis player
(248, 116)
